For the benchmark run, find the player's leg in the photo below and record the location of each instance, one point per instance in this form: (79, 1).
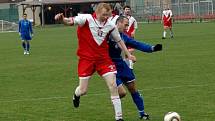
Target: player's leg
(138, 99)
(28, 47)
(164, 32)
(85, 70)
(121, 91)
(23, 39)
(171, 32)
(80, 90)
(107, 70)
(24, 46)
(119, 76)
(28, 39)
(111, 83)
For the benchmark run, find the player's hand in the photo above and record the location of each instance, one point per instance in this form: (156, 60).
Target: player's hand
(59, 17)
(32, 35)
(133, 58)
(19, 34)
(131, 50)
(157, 47)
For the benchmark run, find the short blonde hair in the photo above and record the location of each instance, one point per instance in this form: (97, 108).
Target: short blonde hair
(103, 5)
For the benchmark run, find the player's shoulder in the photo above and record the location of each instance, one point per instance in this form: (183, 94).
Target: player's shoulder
(132, 18)
(113, 19)
(84, 14)
(81, 15)
(110, 23)
(169, 10)
(21, 20)
(116, 16)
(124, 36)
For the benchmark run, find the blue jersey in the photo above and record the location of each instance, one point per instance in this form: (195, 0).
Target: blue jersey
(25, 29)
(115, 51)
(124, 73)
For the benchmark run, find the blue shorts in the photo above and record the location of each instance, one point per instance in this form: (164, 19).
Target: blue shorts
(25, 37)
(124, 73)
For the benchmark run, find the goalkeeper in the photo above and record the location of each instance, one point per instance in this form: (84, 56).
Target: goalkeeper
(26, 33)
(124, 74)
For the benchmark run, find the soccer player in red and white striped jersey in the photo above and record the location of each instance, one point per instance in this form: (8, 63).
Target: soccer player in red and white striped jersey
(93, 51)
(167, 22)
(130, 31)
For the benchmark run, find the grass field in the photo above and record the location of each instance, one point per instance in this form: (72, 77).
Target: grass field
(38, 87)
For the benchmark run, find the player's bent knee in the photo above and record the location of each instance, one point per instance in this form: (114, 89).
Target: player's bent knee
(121, 91)
(122, 94)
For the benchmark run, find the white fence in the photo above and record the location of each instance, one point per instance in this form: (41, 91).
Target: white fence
(199, 9)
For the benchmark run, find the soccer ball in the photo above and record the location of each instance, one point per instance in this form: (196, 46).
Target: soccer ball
(172, 116)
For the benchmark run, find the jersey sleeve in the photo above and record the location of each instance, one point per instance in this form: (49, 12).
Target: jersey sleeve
(30, 27)
(80, 19)
(136, 44)
(163, 13)
(135, 24)
(170, 13)
(115, 34)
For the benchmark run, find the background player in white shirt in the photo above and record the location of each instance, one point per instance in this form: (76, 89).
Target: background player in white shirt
(130, 31)
(167, 22)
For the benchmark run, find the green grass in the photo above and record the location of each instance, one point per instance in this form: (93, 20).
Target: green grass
(39, 87)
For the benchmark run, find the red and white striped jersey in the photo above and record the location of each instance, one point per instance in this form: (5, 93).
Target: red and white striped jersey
(93, 35)
(166, 15)
(132, 25)
(113, 18)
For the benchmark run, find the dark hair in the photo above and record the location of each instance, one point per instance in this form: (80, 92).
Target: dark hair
(121, 19)
(24, 14)
(127, 6)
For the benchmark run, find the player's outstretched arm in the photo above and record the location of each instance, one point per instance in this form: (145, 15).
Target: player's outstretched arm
(121, 44)
(123, 47)
(66, 21)
(131, 42)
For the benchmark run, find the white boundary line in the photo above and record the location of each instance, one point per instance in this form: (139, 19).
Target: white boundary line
(8, 32)
(56, 98)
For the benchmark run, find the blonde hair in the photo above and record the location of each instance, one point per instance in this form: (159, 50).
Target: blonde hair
(103, 5)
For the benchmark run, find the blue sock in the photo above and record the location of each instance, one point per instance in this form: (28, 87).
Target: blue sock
(138, 100)
(24, 45)
(28, 46)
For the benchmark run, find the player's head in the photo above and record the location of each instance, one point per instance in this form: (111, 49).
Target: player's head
(166, 7)
(122, 23)
(103, 11)
(24, 16)
(127, 10)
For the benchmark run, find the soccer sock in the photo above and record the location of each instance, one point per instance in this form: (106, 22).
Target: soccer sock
(117, 107)
(171, 33)
(138, 100)
(78, 91)
(164, 33)
(24, 45)
(131, 64)
(28, 46)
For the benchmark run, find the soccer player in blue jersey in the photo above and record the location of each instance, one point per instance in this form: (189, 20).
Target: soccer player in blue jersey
(124, 74)
(26, 33)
